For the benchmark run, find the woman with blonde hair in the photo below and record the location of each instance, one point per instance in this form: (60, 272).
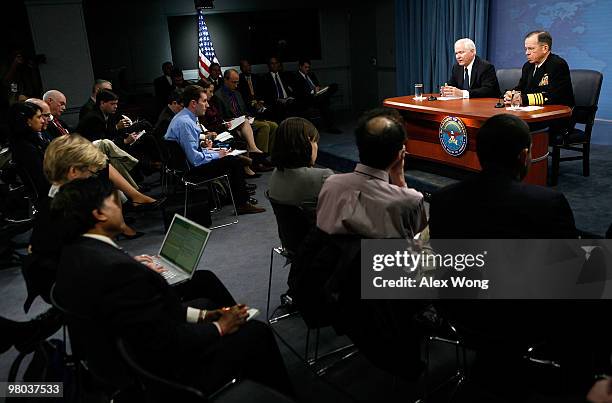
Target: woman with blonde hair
(66, 158)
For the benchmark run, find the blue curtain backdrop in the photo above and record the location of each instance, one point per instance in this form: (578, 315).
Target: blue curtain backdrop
(426, 31)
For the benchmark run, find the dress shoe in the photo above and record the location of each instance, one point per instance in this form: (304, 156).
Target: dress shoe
(248, 208)
(135, 206)
(26, 335)
(253, 201)
(251, 186)
(40, 328)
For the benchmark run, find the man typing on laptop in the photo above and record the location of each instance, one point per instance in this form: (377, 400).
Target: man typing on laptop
(98, 280)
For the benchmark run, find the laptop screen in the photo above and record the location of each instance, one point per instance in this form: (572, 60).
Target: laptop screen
(184, 243)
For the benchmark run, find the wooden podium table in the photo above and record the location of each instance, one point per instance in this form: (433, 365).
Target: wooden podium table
(423, 123)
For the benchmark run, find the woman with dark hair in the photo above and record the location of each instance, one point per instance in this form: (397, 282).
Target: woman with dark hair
(295, 181)
(28, 145)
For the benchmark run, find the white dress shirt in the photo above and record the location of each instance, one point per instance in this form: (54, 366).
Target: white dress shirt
(466, 93)
(274, 75)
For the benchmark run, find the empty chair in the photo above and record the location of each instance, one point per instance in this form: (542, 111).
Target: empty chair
(587, 86)
(508, 78)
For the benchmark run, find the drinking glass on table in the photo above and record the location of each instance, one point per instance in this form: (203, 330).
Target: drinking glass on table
(418, 91)
(516, 100)
(442, 87)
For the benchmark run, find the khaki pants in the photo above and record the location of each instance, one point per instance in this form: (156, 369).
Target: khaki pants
(264, 132)
(119, 159)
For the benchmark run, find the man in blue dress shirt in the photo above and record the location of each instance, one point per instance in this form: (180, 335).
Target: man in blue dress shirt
(185, 130)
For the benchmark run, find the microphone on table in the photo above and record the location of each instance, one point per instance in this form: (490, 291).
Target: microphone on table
(500, 101)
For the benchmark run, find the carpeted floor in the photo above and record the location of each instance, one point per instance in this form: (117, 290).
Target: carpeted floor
(240, 255)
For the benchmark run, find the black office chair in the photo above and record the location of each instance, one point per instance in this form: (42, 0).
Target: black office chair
(98, 368)
(508, 78)
(157, 389)
(293, 223)
(31, 191)
(154, 387)
(176, 165)
(587, 86)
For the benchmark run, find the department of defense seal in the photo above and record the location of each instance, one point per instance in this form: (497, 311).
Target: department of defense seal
(453, 136)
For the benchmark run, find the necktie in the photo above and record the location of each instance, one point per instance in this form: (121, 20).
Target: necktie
(466, 79)
(234, 103)
(534, 70)
(310, 83)
(59, 127)
(279, 89)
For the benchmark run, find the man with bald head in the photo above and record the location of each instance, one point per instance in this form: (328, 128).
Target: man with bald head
(471, 77)
(373, 201)
(57, 104)
(121, 160)
(90, 105)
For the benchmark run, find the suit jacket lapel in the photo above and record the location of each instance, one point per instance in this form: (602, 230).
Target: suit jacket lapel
(474, 70)
(535, 79)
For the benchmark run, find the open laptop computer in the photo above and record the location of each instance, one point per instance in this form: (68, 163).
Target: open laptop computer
(182, 249)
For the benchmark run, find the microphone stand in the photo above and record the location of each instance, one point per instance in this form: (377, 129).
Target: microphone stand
(500, 101)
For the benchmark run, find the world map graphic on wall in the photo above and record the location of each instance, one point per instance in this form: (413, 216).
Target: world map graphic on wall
(581, 32)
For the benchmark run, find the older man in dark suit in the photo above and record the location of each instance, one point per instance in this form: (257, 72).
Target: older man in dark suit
(472, 77)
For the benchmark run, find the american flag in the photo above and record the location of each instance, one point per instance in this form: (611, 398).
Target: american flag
(206, 52)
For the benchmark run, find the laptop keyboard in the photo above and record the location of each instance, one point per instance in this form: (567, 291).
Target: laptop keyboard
(168, 275)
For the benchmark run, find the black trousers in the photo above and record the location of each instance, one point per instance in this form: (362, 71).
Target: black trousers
(557, 129)
(230, 166)
(250, 353)
(205, 285)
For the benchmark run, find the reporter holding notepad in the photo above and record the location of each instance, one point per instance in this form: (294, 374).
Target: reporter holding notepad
(185, 130)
